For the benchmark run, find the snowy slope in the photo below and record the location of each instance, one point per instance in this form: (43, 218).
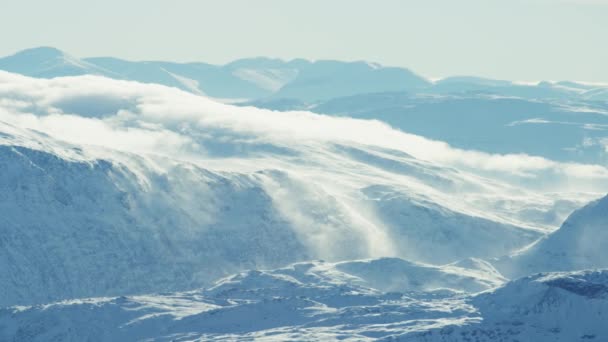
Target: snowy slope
(128, 188)
(544, 307)
(121, 226)
(321, 80)
(315, 295)
(318, 301)
(49, 62)
(553, 128)
(266, 73)
(249, 78)
(580, 243)
(398, 275)
(98, 228)
(210, 80)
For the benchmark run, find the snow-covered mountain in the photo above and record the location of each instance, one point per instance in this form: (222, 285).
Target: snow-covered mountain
(556, 129)
(249, 78)
(564, 121)
(304, 301)
(579, 244)
(48, 62)
(159, 190)
(113, 188)
(321, 301)
(268, 81)
(544, 307)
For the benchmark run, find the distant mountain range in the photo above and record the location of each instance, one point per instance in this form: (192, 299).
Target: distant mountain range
(275, 79)
(242, 79)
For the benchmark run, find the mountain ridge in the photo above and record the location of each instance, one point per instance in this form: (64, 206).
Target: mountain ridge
(258, 78)
(240, 79)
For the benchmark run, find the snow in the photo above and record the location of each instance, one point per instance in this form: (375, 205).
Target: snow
(128, 188)
(188, 84)
(317, 301)
(270, 79)
(543, 307)
(127, 214)
(50, 62)
(140, 212)
(315, 295)
(578, 244)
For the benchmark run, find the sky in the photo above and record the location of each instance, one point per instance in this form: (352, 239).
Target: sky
(526, 40)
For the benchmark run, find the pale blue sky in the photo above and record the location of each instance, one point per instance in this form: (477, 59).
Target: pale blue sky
(510, 39)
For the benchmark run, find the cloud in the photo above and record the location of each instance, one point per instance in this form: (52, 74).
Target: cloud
(134, 117)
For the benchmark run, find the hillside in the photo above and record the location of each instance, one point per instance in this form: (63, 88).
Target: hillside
(578, 244)
(318, 301)
(149, 192)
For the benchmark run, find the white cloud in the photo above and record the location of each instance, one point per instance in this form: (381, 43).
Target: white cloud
(149, 118)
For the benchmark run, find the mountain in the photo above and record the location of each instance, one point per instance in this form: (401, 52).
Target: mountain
(198, 78)
(599, 94)
(128, 188)
(250, 78)
(49, 62)
(303, 301)
(140, 211)
(460, 85)
(554, 129)
(398, 275)
(101, 227)
(122, 225)
(543, 307)
(322, 80)
(563, 121)
(321, 301)
(578, 244)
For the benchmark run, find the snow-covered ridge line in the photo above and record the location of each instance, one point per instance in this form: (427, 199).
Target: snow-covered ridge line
(299, 79)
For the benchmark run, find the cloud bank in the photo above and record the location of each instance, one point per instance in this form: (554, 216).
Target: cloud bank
(342, 155)
(149, 118)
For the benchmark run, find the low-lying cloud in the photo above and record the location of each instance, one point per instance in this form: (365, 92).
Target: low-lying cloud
(144, 118)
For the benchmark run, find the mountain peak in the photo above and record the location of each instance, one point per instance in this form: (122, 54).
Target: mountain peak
(42, 52)
(47, 62)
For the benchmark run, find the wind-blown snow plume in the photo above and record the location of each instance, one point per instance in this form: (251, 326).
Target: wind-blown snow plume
(205, 189)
